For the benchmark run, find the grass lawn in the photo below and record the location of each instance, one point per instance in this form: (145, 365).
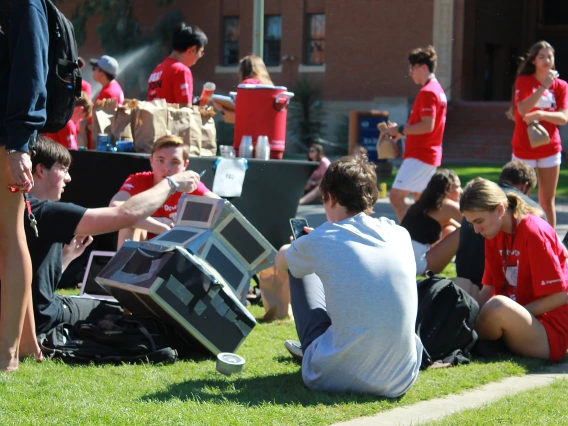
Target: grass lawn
(468, 172)
(270, 391)
(543, 406)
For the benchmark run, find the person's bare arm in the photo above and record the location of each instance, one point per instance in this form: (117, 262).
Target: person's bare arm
(559, 118)
(547, 303)
(154, 225)
(525, 106)
(110, 219)
(425, 125)
(280, 261)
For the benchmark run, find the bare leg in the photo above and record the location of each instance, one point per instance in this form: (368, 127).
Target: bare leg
(547, 182)
(16, 273)
(398, 203)
(313, 195)
(522, 332)
(28, 343)
(133, 234)
(441, 254)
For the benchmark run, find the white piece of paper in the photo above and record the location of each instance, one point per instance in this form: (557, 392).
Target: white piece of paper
(229, 177)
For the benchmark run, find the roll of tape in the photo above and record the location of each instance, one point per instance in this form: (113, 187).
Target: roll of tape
(228, 363)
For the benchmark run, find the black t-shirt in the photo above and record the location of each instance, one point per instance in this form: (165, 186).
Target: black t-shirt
(470, 257)
(56, 223)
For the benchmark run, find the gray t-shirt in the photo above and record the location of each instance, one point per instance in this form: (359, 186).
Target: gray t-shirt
(368, 272)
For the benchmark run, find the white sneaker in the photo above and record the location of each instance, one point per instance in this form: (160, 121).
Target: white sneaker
(295, 349)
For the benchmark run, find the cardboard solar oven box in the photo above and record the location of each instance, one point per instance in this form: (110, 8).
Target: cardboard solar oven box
(184, 291)
(215, 231)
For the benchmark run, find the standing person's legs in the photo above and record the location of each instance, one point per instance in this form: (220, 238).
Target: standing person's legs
(16, 271)
(308, 305)
(412, 177)
(547, 182)
(548, 171)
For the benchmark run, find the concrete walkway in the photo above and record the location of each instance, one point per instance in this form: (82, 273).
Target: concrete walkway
(436, 409)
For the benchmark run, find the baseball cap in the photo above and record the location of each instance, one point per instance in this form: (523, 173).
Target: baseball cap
(107, 64)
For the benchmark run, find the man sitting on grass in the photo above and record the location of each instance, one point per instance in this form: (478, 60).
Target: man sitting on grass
(353, 291)
(58, 223)
(170, 155)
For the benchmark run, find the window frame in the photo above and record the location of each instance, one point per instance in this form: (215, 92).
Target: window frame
(309, 40)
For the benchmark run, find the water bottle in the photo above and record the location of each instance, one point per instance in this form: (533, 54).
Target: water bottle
(262, 150)
(245, 150)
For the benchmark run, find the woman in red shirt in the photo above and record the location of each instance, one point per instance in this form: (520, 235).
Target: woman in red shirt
(540, 96)
(523, 299)
(252, 70)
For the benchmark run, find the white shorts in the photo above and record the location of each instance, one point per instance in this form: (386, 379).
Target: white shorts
(420, 251)
(413, 175)
(543, 163)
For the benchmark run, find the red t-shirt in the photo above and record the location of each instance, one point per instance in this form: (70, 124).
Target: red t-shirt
(140, 182)
(66, 136)
(536, 267)
(111, 91)
(553, 99)
(86, 87)
(430, 102)
(172, 81)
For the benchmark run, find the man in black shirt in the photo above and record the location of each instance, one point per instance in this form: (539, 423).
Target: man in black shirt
(517, 177)
(58, 223)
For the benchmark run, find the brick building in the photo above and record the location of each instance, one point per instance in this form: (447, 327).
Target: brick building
(355, 51)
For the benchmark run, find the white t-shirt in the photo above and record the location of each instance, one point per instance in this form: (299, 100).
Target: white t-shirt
(368, 272)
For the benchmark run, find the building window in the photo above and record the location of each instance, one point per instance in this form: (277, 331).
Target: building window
(230, 40)
(315, 39)
(272, 38)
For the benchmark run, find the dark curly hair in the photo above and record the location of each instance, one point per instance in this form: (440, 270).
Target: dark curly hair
(435, 192)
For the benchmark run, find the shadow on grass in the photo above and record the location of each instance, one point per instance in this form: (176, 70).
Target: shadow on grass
(282, 389)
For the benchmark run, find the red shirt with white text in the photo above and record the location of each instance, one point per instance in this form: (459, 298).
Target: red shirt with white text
(172, 81)
(553, 99)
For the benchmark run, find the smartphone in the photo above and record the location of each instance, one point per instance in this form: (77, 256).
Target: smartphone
(297, 226)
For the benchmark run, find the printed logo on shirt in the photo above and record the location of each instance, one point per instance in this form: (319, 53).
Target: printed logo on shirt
(546, 101)
(170, 208)
(558, 280)
(510, 253)
(155, 82)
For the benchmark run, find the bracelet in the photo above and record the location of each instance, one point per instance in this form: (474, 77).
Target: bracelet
(542, 86)
(173, 184)
(12, 151)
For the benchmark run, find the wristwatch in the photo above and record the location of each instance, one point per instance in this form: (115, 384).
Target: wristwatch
(173, 184)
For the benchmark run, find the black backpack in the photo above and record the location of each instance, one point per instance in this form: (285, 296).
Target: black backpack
(445, 321)
(64, 77)
(113, 339)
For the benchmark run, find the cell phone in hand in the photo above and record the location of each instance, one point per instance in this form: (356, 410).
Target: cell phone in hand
(297, 226)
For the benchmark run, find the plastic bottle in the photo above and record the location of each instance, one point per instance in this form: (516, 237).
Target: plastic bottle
(262, 149)
(245, 150)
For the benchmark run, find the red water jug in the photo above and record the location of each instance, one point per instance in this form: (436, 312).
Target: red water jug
(261, 111)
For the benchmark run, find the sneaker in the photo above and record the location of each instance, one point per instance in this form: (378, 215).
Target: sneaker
(295, 349)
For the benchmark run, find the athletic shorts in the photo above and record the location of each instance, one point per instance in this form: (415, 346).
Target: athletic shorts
(543, 163)
(413, 175)
(557, 341)
(420, 250)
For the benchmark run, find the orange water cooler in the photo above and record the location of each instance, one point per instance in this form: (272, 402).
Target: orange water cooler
(261, 111)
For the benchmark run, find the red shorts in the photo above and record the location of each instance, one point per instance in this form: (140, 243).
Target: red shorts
(557, 341)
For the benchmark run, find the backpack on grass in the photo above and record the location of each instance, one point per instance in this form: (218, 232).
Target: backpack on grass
(64, 77)
(445, 321)
(113, 339)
